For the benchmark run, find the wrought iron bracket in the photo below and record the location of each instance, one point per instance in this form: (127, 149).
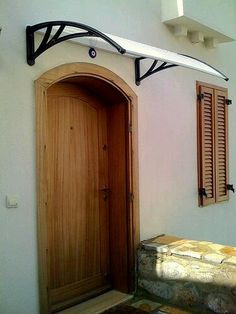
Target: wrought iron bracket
(50, 40)
(153, 69)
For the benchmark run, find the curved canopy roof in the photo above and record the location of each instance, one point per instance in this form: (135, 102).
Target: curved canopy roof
(58, 31)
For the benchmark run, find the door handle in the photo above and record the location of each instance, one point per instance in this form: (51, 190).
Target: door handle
(106, 191)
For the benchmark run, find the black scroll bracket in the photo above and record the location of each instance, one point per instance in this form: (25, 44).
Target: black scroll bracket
(153, 69)
(50, 40)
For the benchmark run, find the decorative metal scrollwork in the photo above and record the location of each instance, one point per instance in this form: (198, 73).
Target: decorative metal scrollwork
(50, 40)
(153, 69)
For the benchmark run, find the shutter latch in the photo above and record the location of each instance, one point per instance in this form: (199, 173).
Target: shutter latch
(202, 192)
(228, 102)
(230, 187)
(200, 97)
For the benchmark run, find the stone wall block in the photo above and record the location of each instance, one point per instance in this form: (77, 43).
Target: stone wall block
(231, 261)
(199, 272)
(214, 258)
(187, 294)
(158, 288)
(220, 303)
(225, 276)
(171, 270)
(200, 275)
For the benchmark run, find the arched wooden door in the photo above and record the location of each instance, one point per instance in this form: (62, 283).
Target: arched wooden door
(87, 190)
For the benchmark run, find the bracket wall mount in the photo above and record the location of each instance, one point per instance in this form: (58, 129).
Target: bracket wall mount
(153, 69)
(50, 40)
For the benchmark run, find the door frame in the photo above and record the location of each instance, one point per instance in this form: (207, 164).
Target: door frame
(41, 85)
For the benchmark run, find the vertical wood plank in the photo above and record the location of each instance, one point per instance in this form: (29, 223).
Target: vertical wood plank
(222, 163)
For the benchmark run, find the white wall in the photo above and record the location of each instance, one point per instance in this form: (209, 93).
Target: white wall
(167, 132)
(207, 12)
(199, 11)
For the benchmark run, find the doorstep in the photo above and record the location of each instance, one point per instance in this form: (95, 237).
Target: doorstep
(99, 304)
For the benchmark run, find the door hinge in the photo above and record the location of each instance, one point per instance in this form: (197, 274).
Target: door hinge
(131, 196)
(228, 102)
(200, 97)
(130, 128)
(202, 192)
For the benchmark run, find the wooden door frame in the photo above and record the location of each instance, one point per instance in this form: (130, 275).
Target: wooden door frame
(41, 85)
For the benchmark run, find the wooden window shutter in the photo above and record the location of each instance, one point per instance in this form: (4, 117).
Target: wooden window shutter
(221, 145)
(206, 145)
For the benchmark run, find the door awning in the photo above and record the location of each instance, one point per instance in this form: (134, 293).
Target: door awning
(59, 31)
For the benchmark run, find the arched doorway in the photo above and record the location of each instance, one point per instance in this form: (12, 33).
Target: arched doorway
(87, 170)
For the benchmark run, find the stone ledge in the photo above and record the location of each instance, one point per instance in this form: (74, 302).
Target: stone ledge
(207, 251)
(195, 273)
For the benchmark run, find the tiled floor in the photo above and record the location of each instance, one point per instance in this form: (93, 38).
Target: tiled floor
(99, 304)
(146, 306)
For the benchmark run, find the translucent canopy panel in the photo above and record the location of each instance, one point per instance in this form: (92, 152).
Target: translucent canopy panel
(137, 50)
(58, 31)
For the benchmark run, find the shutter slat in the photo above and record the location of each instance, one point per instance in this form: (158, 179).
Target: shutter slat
(206, 145)
(221, 147)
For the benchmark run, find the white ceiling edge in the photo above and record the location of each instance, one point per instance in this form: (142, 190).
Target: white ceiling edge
(136, 50)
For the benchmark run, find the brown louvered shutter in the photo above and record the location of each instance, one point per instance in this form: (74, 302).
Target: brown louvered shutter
(221, 145)
(206, 145)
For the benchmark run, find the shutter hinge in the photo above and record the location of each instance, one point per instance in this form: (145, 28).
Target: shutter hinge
(130, 128)
(131, 196)
(230, 187)
(228, 102)
(202, 192)
(200, 97)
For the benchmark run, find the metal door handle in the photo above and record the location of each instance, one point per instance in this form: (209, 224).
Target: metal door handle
(106, 192)
(104, 189)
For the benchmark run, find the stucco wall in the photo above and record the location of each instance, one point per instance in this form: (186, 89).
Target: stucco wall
(167, 132)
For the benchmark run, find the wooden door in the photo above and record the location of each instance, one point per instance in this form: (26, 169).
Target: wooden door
(77, 172)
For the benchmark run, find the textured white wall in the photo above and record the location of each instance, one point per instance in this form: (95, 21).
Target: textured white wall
(211, 13)
(167, 132)
(218, 9)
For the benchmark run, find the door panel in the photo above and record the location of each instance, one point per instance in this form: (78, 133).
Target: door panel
(78, 228)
